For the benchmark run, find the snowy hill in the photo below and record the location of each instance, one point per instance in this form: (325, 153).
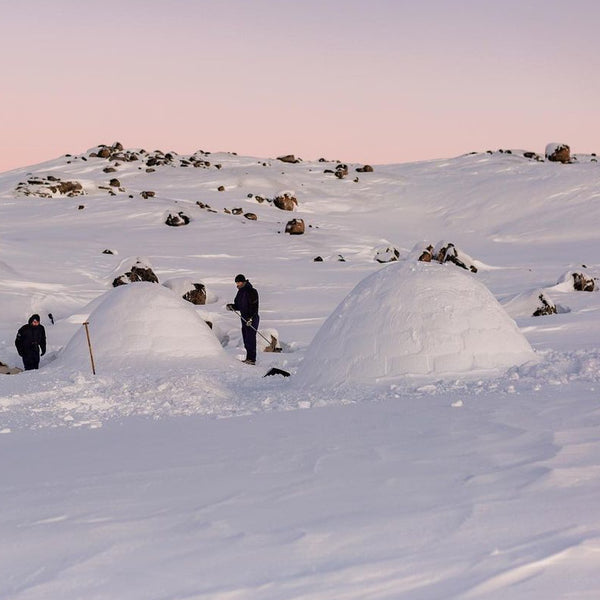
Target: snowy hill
(337, 482)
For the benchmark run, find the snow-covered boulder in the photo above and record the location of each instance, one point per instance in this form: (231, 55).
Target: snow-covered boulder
(420, 319)
(448, 252)
(143, 325)
(295, 227)
(141, 270)
(533, 303)
(443, 252)
(176, 219)
(190, 290)
(556, 152)
(578, 281)
(268, 334)
(387, 254)
(286, 201)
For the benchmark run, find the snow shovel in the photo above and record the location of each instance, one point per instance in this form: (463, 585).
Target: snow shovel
(251, 326)
(276, 371)
(273, 370)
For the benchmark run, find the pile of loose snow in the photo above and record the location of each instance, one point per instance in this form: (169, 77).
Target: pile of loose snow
(414, 319)
(143, 324)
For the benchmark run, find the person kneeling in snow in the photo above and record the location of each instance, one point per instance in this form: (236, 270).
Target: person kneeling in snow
(31, 338)
(246, 303)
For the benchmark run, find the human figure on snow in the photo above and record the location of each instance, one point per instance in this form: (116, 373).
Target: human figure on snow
(30, 340)
(246, 303)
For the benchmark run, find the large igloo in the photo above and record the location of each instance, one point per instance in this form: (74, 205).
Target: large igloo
(144, 325)
(414, 319)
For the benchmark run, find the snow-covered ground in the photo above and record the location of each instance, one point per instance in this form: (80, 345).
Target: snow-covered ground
(470, 469)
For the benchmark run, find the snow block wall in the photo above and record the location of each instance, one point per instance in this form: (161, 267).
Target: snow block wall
(141, 324)
(414, 319)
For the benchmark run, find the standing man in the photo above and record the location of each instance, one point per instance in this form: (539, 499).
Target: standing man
(246, 303)
(31, 338)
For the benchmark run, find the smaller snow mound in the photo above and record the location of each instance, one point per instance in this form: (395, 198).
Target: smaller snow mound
(534, 303)
(578, 281)
(414, 319)
(143, 325)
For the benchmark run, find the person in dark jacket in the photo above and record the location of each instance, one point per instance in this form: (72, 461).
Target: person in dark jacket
(30, 341)
(246, 303)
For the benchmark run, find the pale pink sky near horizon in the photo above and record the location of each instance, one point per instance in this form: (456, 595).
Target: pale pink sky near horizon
(379, 82)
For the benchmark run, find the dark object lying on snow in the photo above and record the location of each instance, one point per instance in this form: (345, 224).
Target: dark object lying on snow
(276, 371)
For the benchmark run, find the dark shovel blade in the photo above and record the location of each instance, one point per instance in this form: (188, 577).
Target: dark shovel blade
(276, 371)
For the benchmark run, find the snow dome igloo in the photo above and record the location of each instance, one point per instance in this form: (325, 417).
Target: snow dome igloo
(146, 325)
(414, 319)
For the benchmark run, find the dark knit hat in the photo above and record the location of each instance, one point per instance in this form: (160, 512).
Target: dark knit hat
(33, 318)
(239, 278)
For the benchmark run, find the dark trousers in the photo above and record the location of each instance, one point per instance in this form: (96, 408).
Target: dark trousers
(249, 337)
(31, 361)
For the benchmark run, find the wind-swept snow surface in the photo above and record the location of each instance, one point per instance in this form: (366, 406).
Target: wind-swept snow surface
(415, 319)
(179, 473)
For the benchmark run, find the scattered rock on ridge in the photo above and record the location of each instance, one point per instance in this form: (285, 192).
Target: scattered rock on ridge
(427, 254)
(288, 158)
(583, 282)
(387, 254)
(546, 307)
(558, 153)
(116, 152)
(447, 252)
(533, 155)
(140, 271)
(177, 220)
(532, 303)
(49, 187)
(285, 202)
(295, 227)
(196, 295)
(341, 171)
(577, 281)
(190, 290)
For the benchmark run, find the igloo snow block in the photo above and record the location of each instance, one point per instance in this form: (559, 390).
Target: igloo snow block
(414, 319)
(143, 325)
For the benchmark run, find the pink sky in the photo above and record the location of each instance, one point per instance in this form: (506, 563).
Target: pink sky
(374, 82)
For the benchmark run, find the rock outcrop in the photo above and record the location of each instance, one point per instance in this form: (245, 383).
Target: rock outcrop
(558, 153)
(295, 227)
(140, 271)
(285, 202)
(387, 254)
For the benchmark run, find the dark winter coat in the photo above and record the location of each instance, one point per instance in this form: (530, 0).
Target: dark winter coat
(246, 301)
(30, 340)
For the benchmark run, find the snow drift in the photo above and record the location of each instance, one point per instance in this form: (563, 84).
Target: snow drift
(414, 319)
(143, 324)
